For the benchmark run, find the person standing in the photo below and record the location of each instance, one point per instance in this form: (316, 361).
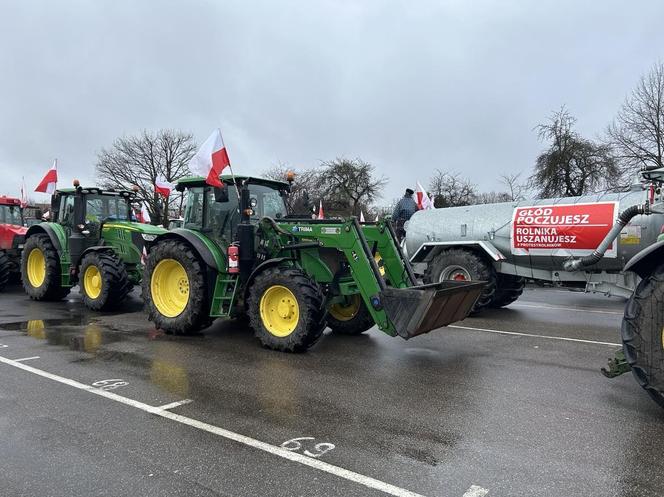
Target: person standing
(403, 211)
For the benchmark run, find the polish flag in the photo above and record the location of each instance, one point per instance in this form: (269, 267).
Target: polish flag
(321, 214)
(163, 188)
(211, 159)
(423, 200)
(361, 216)
(47, 185)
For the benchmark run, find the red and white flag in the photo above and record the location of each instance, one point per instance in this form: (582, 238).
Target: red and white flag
(144, 216)
(24, 194)
(211, 159)
(49, 182)
(423, 200)
(321, 214)
(163, 188)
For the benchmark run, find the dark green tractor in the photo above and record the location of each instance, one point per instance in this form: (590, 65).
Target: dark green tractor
(240, 253)
(91, 240)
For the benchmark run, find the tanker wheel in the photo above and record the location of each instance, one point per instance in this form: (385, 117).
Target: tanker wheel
(286, 310)
(174, 289)
(5, 266)
(351, 317)
(463, 265)
(508, 289)
(40, 269)
(643, 334)
(104, 281)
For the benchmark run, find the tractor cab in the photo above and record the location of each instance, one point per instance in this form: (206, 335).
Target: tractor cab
(12, 236)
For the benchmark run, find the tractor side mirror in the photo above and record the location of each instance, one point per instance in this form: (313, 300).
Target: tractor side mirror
(221, 194)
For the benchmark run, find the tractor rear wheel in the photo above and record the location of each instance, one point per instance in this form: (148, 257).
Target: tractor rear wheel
(643, 334)
(286, 310)
(463, 265)
(4, 270)
(508, 289)
(174, 289)
(104, 281)
(351, 317)
(40, 269)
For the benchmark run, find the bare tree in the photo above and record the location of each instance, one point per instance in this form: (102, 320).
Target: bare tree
(143, 159)
(450, 189)
(516, 190)
(492, 197)
(571, 165)
(303, 190)
(637, 133)
(347, 185)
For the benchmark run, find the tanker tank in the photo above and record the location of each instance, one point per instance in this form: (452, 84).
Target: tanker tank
(507, 242)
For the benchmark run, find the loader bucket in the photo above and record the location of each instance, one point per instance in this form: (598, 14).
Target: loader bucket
(420, 309)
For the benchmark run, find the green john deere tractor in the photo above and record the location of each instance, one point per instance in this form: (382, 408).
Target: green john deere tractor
(240, 253)
(90, 240)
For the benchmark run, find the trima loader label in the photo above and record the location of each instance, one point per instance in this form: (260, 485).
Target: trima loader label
(570, 229)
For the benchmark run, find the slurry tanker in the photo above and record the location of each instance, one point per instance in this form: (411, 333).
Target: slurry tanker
(506, 243)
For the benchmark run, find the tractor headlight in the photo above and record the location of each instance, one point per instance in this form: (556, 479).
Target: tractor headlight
(148, 238)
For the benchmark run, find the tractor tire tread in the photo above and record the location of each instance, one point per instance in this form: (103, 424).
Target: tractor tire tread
(361, 322)
(5, 270)
(115, 281)
(508, 290)
(52, 290)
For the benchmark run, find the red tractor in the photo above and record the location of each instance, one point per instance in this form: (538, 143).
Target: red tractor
(12, 235)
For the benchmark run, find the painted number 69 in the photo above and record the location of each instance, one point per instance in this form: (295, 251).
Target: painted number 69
(295, 444)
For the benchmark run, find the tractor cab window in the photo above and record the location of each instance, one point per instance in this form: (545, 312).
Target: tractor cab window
(101, 208)
(10, 214)
(223, 216)
(66, 210)
(193, 212)
(269, 202)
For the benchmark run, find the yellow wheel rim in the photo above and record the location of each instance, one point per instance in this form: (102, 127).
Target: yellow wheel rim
(279, 310)
(36, 267)
(346, 311)
(92, 282)
(169, 286)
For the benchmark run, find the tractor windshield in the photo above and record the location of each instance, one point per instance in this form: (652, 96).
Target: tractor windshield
(269, 202)
(10, 214)
(99, 208)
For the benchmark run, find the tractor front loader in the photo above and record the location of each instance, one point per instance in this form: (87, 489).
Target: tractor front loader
(91, 240)
(240, 253)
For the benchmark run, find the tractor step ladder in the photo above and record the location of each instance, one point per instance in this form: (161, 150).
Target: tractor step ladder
(224, 295)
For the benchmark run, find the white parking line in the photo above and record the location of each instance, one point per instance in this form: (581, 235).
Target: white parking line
(175, 404)
(548, 337)
(476, 491)
(27, 358)
(367, 481)
(560, 308)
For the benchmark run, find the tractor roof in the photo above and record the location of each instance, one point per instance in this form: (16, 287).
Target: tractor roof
(227, 178)
(9, 200)
(96, 190)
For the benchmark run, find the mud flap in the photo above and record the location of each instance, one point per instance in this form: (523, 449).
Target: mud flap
(420, 309)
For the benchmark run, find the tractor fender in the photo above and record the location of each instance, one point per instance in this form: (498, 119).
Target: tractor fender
(261, 267)
(645, 262)
(212, 258)
(57, 235)
(429, 250)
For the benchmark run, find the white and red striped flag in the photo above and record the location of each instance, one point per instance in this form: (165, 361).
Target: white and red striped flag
(321, 214)
(48, 184)
(211, 159)
(163, 188)
(423, 200)
(144, 216)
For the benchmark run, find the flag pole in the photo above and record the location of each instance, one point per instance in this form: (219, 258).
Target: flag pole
(239, 200)
(56, 173)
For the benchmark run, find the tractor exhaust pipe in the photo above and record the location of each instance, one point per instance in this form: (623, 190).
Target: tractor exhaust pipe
(623, 219)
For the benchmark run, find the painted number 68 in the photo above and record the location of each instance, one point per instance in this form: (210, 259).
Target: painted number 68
(294, 444)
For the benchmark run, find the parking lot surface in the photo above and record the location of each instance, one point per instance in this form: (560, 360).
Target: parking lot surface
(508, 403)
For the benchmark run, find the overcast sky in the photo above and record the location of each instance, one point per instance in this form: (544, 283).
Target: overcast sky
(409, 86)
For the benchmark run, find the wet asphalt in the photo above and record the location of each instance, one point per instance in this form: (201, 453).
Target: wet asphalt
(517, 415)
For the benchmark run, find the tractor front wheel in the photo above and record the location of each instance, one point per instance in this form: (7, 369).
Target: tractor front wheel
(351, 317)
(174, 289)
(4, 270)
(643, 334)
(286, 310)
(104, 281)
(40, 269)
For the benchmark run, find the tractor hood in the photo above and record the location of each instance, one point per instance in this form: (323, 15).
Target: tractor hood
(146, 229)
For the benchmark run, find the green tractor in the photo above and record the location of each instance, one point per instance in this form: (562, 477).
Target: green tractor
(90, 240)
(240, 254)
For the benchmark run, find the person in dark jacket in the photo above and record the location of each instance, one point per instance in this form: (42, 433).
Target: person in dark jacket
(403, 211)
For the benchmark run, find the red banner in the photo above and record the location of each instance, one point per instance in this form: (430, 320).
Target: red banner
(574, 229)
